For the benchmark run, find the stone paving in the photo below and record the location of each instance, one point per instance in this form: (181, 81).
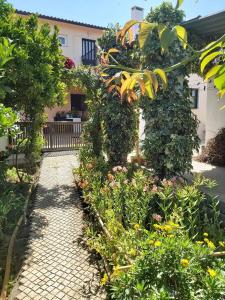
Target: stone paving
(58, 266)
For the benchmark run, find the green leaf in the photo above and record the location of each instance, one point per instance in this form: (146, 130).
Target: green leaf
(182, 35)
(219, 81)
(144, 32)
(179, 3)
(209, 58)
(163, 76)
(167, 36)
(127, 26)
(212, 72)
(148, 87)
(209, 48)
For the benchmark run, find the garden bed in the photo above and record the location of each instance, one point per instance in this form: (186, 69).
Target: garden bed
(155, 237)
(14, 207)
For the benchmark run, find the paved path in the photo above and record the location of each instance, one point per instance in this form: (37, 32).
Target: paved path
(58, 265)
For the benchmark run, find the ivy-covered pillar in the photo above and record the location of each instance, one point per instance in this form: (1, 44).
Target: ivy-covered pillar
(171, 128)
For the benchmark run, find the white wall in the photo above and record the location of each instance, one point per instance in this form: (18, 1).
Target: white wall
(215, 116)
(196, 82)
(3, 143)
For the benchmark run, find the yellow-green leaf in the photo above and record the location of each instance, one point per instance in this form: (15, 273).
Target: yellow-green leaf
(209, 48)
(113, 50)
(219, 80)
(221, 94)
(179, 3)
(127, 26)
(148, 87)
(182, 35)
(212, 72)
(167, 36)
(144, 32)
(209, 58)
(163, 76)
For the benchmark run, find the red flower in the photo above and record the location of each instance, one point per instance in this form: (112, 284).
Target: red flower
(69, 63)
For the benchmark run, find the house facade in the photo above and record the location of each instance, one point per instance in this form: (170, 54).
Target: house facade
(206, 104)
(78, 42)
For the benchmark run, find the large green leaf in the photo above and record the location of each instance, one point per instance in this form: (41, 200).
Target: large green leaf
(209, 58)
(182, 35)
(212, 72)
(148, 87)
(209, 48)
(167, 36)
(179, 3)
(219, 81)
(144, 32)
(163, 76)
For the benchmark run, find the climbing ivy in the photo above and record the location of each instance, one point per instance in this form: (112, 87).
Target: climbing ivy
(171, 128)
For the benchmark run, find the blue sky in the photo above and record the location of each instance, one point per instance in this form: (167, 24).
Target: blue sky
(104, 12)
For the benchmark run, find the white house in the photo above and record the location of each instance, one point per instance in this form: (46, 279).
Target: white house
(206, 104)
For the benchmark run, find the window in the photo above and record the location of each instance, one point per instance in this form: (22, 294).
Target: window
(88, 52)
(63, 40)
(194, 98)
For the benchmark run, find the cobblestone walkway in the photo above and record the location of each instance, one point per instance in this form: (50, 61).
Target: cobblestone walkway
(57, 266)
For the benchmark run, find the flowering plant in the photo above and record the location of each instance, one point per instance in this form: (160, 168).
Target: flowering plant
(158, 245)
(69, 63)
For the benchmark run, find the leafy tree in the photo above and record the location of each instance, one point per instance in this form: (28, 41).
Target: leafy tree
(119, 116)
(35, 74)
(7, 116)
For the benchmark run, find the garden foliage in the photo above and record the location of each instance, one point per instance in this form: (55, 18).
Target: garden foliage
(34, 76)
(171, 128)
(214, 152)
(119, 116)
(160, 235)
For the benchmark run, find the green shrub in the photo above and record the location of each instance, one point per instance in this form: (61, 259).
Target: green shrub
(171, 266)
(214, 152)
(161, 238)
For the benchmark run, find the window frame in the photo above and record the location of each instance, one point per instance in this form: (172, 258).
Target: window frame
(89, 43)
(66, 40)
(194, 98)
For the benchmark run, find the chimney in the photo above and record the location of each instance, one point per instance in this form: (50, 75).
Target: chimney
(137, 13)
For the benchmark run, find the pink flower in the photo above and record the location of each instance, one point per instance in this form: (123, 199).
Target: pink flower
(157, 218)
(113, 184)
(154, 189)
(124, 169)
(145, 188)
(114, 169)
